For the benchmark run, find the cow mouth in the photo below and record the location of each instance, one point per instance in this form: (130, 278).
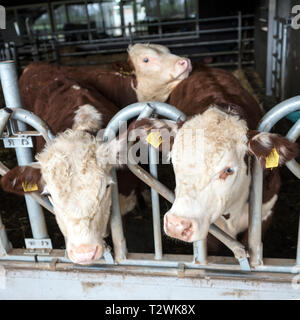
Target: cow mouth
(84, 260)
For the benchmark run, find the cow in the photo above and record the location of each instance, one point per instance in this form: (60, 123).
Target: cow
(119, 84)
(211, 156)
(74, 169)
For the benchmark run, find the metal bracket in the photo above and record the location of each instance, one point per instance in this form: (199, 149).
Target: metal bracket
(18, 142)
(180, 270)
(108, 256)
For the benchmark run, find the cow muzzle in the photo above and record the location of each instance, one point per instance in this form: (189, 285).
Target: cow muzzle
(180, 227)
(85, 254)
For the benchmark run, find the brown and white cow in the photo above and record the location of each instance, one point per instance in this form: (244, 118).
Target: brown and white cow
(210, 155)
(151, 74)
(75, 167)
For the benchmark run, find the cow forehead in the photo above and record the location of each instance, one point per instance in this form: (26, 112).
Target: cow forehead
(70, 169)
(210, 141)
(151, 49)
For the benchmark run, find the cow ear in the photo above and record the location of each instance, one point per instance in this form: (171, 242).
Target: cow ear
(156, 132)
(21, 180)
(271, 148)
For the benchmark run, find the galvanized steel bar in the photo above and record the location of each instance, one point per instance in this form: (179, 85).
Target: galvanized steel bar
(294, 166)
(240, 39)
(5, 114)
(9, 82)
(255, 211)
(153, 156)
(271, 15)
(34, 121)
(119, 241)
(200, 251)
(5, 245)
(283, 61)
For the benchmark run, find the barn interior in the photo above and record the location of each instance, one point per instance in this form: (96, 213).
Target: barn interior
(254, 40)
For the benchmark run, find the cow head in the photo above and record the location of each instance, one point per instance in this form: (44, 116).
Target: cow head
(157, 71)
(212, 177)
(75, 174)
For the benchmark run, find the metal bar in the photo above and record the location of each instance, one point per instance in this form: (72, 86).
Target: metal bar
(5, 245)
(147, 111)
(119, 241)
(240, 39)
(153, 156)
(5, 114)
(283, 61)
(293, 135)
(9, 82)
(200, 251)
(271, 15)
(88, 20)
(34, 121)
(255, 210)
(255, 216)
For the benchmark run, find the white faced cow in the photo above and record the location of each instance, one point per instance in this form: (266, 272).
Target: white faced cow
(209, 157)
(75, 167)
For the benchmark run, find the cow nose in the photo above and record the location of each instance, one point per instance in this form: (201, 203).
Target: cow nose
(85, 254)
(185, 64)
(178, 227)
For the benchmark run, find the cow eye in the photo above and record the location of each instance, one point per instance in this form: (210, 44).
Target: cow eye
(107, 186)
(228, 170)
(146, 60)
(225, 173)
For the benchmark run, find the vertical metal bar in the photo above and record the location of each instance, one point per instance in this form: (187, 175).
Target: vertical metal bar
(51, 17)
(273, 58)
(283, 60)
(67, 13)
(255, 216)
(298, 246)
(88, 20)
(119, 241)
(200, 251)
(159, 18)
(122, 19)
(197, 18)
(271, 15)
(5, 245)
(9, 82)
(239, 40)
(153, 160)
(185, 10)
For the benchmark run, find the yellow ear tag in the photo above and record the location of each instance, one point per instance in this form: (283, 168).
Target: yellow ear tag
(28, 187)
(154, 138)
(272, 159)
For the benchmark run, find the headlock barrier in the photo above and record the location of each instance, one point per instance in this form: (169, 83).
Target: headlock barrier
(38, 270)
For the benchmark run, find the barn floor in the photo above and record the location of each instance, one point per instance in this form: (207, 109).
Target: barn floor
(280, 240)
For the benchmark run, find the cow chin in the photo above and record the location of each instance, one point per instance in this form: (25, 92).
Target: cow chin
(184, 228)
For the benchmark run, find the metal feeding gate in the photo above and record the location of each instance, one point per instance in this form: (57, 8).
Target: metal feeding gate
(41, 272)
